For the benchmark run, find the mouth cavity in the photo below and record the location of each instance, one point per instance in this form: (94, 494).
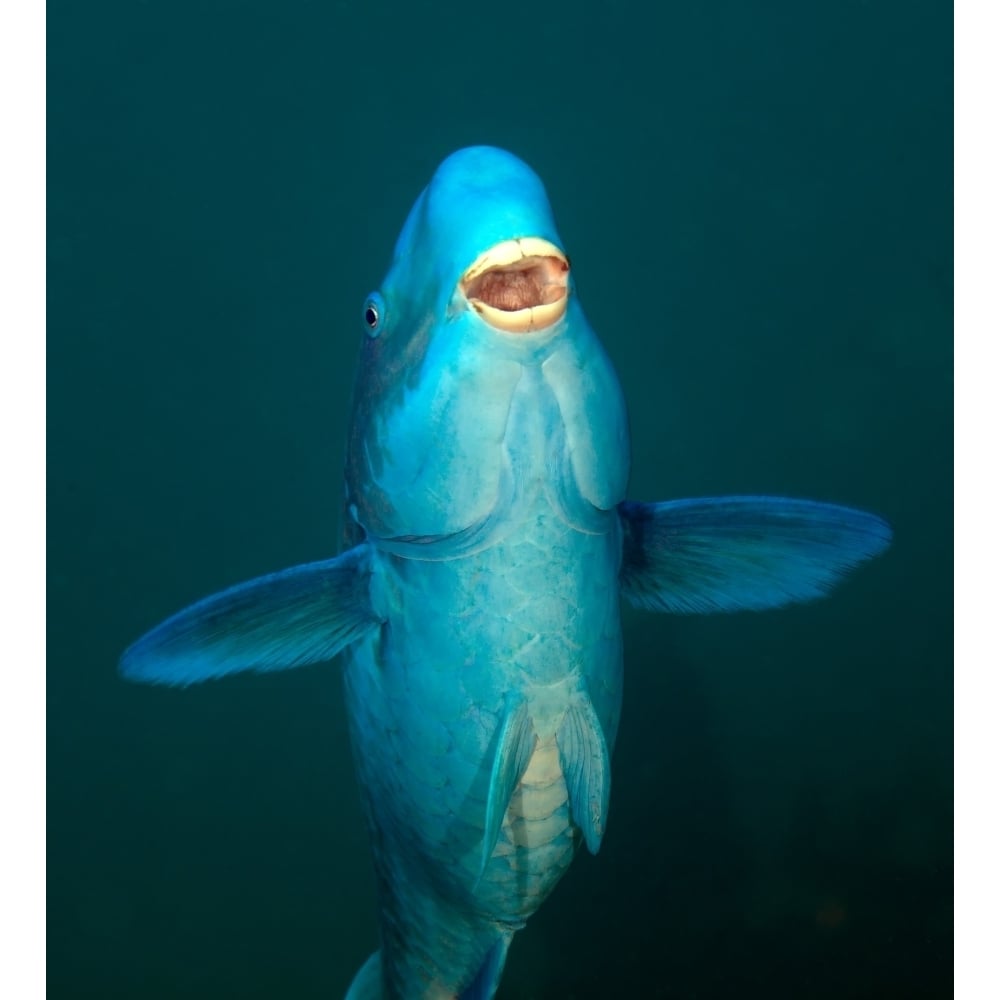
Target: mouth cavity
(519, 286)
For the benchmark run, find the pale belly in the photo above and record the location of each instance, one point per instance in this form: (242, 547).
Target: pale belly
(536, 843)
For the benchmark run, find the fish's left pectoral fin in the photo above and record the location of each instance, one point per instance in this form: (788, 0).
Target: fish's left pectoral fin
(516, 739)
(583, 754)
(299, 616)
(742, 553)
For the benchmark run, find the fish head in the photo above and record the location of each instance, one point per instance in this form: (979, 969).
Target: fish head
(478, 300)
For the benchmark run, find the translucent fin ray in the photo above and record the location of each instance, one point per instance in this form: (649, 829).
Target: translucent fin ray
(299, 616)
(583, 753)
(743, 553)
(515, 743)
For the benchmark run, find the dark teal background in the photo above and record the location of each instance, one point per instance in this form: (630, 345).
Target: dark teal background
(757, 200)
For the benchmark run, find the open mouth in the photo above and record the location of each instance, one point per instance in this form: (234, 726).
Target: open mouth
(519, 285)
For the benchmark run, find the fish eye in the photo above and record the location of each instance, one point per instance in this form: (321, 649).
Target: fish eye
(374, 314)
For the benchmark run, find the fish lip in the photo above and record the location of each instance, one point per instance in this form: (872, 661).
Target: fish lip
(549, 272)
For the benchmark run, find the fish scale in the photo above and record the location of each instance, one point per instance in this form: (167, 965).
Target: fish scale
(440, 800)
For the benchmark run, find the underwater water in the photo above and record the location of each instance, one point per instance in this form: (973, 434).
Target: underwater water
(757, 201)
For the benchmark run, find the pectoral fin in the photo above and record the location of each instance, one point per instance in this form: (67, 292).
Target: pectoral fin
(515, 743)
(741, 553)
(583, 753)
(301, 615)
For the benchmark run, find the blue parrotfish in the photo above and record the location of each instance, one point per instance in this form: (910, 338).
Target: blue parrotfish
(487, 546)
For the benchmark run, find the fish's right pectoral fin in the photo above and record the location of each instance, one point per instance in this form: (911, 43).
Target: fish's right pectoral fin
(298, 616)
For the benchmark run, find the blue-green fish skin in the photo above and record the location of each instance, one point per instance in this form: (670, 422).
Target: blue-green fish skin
(488, 544)
(476, 473)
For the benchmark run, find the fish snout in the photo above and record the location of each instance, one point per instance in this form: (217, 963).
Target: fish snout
(519, 286)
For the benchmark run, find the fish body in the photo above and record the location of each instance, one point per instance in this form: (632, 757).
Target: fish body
(488, 543)
(485, 472)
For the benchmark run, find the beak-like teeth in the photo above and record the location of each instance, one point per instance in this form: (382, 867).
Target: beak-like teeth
(519, 285)
(510, 252)
(521, 320)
